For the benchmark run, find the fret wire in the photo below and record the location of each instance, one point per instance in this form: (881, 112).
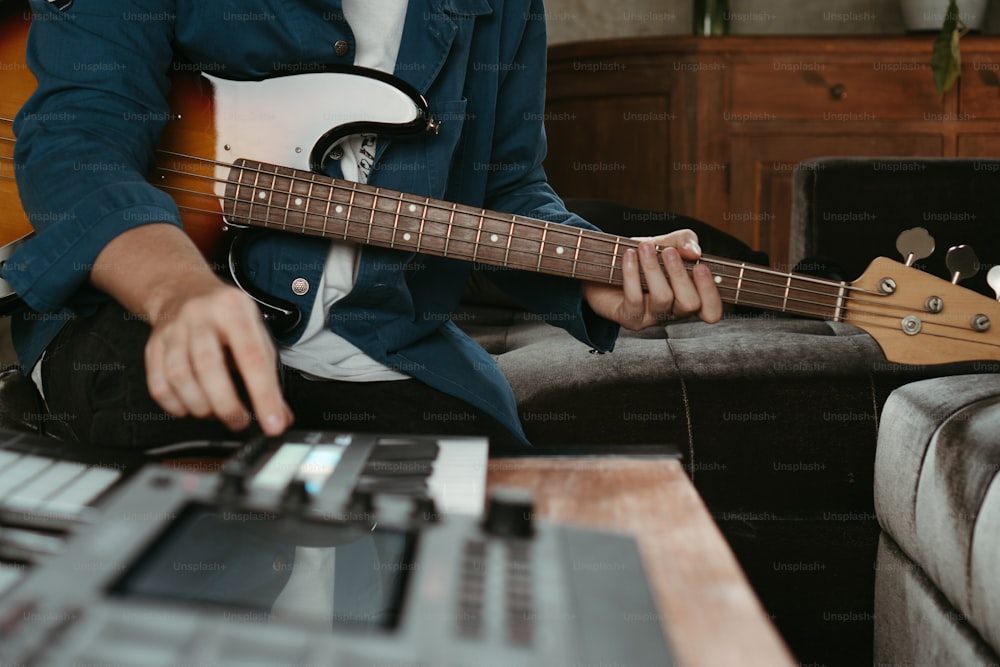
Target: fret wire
(270, 199)
(479, 235)
(576, 253)
(447, 234)
(350, 210)
(395, 223)
(423, 220)
(614, 259)
(305, 204)
(284, 224)
(510, 238)
(788, 285)
(371, 216)
(739, 283)
(253, 195)
(541, 246)
(326, 213)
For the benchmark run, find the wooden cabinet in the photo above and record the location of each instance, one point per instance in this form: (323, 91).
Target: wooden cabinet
(713, 127)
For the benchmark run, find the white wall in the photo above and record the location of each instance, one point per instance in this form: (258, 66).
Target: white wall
(572, 20)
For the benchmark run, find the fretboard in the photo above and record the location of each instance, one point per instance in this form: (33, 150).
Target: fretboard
(291, 200)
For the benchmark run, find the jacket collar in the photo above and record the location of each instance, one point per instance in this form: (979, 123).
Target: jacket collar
(431, 26)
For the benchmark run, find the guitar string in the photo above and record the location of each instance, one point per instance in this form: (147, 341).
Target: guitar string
(747, 296)
(388, 196)
(335, 184)
(428, 205)
(597, 276)
(805, 306)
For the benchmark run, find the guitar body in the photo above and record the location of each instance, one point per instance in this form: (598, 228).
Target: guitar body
(217, 121)
(17, 84)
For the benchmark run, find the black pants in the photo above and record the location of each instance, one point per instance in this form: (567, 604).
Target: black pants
(94, 381)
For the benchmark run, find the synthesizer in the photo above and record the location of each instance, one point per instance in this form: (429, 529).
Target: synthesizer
(50, 488)
(331, 549)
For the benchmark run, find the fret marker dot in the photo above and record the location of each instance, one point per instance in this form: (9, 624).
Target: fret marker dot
(560, 250)
(262, 195)
(494, 238)
(339, 209)
(718, 280)
(298, 201)
(406, 236)
(413, 208)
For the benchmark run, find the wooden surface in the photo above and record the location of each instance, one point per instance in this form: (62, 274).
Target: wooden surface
(708, 610)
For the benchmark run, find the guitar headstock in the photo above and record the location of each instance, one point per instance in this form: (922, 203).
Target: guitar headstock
(918, 318)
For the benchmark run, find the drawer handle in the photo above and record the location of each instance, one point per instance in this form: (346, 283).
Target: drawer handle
(838, 91)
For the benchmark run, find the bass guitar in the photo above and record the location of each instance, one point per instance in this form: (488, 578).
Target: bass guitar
(227, 167)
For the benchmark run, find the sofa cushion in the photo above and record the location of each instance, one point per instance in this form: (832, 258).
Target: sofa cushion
(937, 488)
(914, 623)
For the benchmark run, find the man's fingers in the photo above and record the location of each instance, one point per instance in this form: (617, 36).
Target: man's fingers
(256, 361)
(190, 360)
(633, 307)
(156, 380)
(660, 292)
(686, 297)
(711, 300)
(209, 362)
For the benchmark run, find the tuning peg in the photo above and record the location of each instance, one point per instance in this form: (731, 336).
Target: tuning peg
(914, 244)
(993, 280)
(962, 262)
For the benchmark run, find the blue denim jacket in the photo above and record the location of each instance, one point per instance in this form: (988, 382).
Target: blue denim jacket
(479, 63)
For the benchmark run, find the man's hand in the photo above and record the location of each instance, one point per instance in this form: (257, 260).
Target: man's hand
(671, 292)
(202, 330)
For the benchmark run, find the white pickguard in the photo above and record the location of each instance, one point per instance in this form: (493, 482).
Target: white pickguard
(279, 120)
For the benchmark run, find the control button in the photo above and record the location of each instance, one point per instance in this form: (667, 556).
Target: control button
(509, 513)
(341, 47)
(300, 286)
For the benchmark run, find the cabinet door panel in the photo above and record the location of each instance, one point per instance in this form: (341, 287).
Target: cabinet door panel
(978, 145)
(980, 86)
(613, 148)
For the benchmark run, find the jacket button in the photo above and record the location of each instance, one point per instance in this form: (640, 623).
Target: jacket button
(300, 286)
(341, 47)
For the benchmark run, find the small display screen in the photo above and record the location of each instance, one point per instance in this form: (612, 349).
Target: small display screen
(260, 568)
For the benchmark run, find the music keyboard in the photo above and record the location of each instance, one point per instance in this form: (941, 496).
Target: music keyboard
(50, 489)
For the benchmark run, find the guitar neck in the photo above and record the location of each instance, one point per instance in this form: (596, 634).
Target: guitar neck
(280, 198)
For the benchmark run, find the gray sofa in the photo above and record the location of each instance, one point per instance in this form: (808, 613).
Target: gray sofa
(937, 497)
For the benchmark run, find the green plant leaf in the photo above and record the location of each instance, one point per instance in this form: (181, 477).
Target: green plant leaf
(946, 58)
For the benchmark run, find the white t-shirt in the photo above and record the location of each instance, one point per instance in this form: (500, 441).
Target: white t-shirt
(378, 30)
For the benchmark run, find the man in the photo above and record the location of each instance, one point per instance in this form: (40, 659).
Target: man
(174, 339)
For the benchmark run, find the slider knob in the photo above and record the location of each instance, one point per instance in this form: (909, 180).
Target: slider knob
(510, 513)
(425, 509)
